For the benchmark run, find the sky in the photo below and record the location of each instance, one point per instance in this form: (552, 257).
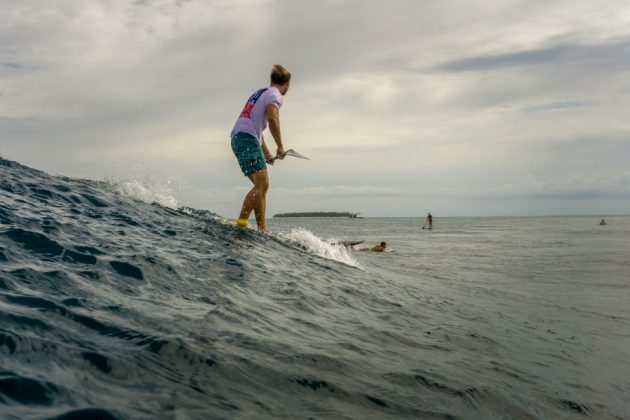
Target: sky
(475, 108)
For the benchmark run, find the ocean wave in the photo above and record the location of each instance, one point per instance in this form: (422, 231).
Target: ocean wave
(116, 302)
(110, 292)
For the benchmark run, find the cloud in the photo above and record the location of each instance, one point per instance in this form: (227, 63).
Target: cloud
(387, 98)
(509, 59)
(573, 187)
(558, 106)
(13, 66)
(529, 187)
(612, 55)
(343, 191)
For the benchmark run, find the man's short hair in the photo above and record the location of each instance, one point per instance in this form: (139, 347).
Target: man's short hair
(279, 75)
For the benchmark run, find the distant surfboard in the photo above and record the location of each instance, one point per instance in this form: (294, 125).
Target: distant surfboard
(347, 243)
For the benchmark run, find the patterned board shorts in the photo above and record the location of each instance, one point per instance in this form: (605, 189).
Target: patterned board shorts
(247, 150)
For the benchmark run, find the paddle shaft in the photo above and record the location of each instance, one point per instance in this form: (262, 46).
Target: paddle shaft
(273, 159)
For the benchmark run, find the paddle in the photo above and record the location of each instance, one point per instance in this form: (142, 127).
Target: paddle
(425, 223)
(289, 152)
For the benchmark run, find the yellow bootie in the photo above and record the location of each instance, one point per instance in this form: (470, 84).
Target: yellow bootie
(240, 222)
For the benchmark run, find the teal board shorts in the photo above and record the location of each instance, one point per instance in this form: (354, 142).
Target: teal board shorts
(247, 150)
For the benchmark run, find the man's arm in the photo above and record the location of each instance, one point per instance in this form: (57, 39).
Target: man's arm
(266, 152)
(273, 117)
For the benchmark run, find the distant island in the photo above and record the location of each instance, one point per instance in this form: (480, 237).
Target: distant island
(320, 214)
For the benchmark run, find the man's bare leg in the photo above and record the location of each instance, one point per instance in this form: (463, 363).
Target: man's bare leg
(256, 199)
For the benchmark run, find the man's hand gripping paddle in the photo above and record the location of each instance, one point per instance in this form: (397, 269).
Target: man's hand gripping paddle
(289, 152)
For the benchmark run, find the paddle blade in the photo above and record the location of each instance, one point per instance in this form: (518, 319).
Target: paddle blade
(289, 152)
(293, 153)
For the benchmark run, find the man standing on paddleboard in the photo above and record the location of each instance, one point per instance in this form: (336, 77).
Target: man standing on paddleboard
(249, 147)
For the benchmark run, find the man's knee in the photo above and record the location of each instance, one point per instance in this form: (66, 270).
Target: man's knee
(262, 186)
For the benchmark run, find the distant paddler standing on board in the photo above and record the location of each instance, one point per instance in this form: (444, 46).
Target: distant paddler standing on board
(429, 221)
(249, 147)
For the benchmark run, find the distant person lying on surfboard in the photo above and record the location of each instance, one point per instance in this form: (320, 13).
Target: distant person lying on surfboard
(379, 248)
(376, 248)
(249, 146)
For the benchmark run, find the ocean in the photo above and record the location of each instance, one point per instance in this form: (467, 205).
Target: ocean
(113, 306)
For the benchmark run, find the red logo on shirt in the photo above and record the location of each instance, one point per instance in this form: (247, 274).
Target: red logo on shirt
(247, 110)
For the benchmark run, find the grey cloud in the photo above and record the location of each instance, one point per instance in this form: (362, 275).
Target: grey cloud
(23, 125)
(576, 188)
(497, 61)
(92, 88)
(533, 80)
(558, 105)
(13, 66)
(345, 191)
(611, 54)
(579, 194)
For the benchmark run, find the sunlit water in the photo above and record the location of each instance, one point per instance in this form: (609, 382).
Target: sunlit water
(112, 307)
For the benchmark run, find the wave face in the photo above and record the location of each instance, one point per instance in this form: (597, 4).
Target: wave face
(111, 307)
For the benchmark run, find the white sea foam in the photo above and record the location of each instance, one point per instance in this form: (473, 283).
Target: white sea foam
(147, 191)
(329, 249)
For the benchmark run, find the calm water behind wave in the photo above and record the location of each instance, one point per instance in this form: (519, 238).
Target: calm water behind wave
(115, 308)
(533, 310)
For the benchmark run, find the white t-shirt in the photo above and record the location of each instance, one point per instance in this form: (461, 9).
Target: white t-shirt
(253, 118)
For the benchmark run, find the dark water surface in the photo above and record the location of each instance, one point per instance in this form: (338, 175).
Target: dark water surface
(111, 307)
